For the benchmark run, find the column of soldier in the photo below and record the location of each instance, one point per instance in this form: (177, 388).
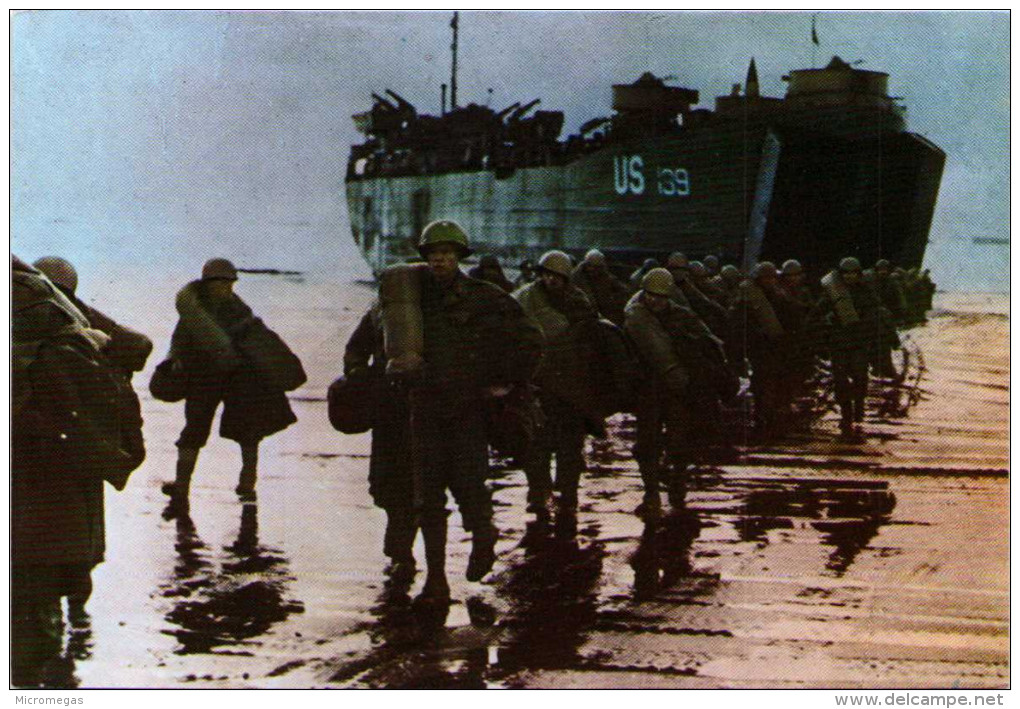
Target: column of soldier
(537, 364)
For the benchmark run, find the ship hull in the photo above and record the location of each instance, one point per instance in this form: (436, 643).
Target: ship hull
(742, 192)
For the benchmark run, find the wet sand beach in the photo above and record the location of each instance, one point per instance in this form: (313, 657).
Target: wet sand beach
(810, 563)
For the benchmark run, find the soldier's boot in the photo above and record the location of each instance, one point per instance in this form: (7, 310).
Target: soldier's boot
(399, 542)
(859, 410)
(180, 487)
(651, 504)
(483, 551)
(436, 588)
(678, 484)
(568, 480)
(249, 472)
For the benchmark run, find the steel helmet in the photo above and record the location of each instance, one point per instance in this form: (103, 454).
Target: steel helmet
(556, 262)
(850, 264)
(595, 258)
(677, 260)
(443, 231)
(698, 269)
(658, 281)
(59, 271)
(792, 267)
(711, 262)
(219, 269)
(883, 264)
(765, 268)
(730, 273)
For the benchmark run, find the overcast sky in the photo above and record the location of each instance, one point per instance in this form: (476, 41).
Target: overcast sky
(145, 136)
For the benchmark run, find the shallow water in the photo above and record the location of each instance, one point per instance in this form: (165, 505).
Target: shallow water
(806, 563)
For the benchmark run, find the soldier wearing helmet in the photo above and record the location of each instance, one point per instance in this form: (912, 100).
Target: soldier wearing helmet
(712, 265)
(765, 342)
(688, 294)
(728, 283)
(889, 291)
(848, 310)
(489, 269)
(561, 310)
(669, 340)
(206, 347)
(477, 346)
(701, 277)
(127, 349)
(603, 289)
(635, 278)
(795, 305)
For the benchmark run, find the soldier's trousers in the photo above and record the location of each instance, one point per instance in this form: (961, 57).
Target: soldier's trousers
(562, 434)
(455, 456)
(663, 426)
(850, 381)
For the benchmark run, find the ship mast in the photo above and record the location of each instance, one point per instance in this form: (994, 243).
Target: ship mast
(453, 73)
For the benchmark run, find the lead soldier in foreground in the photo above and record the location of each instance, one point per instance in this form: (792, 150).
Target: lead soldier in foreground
(452, 344)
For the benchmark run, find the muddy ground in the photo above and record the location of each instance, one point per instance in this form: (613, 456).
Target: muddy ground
(807, 563)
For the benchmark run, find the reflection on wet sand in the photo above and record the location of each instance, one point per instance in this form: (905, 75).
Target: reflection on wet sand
(228, 606)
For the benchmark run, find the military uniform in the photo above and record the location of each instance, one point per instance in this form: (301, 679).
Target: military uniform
(766, 344)
(667, 344)
(476, 337)
(564, 429)
(72, 416)
(850, 314)
(603, 289)
(216, 372)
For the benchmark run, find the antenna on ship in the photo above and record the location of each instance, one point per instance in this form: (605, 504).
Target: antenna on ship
(814, 39)
(453, 73)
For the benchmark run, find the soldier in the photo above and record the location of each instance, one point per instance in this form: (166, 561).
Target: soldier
(127, 349)
(663, 333)
(557, 308)
(635, 278)
(527, 274)
(889, 291)
(477, 344)
(603, 289)
(795, 305)
(849, 309)
(711, 262)
(891, 314)
(75, 422)
(728, 281)
(389, 474)
(689, 295)
(764, 342)
(488, 269)
(205, 345)
(701, 277)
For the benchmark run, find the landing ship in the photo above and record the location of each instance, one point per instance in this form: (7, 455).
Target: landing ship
(827, 171)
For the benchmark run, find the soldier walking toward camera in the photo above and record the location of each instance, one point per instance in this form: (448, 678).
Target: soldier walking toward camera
(664, 334)
(604, 290)
(208, 350)
(476, 345)
(848, 309)
(765, 343)
(558, 308)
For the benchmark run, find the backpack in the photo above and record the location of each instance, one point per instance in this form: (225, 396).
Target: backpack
(76, 407)
(70, 404)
